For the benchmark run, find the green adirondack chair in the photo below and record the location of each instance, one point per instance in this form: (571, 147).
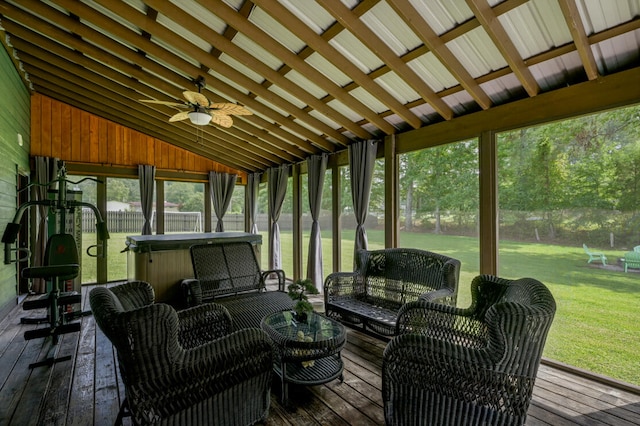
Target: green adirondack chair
(594, 256)
(631, 260)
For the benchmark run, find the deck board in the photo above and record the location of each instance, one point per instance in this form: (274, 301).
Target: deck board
(87, 390)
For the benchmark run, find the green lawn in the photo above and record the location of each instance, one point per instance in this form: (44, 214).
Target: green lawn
(595, 326)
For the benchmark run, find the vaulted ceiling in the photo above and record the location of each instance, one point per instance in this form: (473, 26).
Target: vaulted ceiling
(317, 74)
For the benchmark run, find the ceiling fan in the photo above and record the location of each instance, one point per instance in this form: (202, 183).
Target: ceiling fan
(202, 110)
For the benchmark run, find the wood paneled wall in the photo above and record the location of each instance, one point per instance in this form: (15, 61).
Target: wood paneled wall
(76, 136)
(14, 162)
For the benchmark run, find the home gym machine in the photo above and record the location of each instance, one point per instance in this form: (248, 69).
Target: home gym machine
(60, 262)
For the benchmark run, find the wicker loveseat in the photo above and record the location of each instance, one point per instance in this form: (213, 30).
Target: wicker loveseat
(184, 367)
(384, 280)
(471, 366)
(230, 275)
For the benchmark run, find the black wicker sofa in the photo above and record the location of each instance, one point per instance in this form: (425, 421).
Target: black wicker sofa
(229, 274)
(384, 280)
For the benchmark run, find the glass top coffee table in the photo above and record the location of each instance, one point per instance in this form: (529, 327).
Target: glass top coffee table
(307, 352)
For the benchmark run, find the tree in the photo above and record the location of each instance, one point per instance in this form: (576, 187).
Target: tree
(183, 193)
(117, 190)
(446, 179)
(195, 203)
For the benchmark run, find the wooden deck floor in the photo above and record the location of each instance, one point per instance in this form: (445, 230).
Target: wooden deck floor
(87, 389)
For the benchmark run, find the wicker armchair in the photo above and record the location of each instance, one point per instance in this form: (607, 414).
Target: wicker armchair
(468, 366)
(182, 367)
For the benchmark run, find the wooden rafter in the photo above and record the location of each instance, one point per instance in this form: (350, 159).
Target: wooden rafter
(489, 21)
(576, 27)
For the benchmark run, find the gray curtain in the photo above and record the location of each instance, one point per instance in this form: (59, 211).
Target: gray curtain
(146, 178)
(277, 180)
(221, 187)
(362, 159)
(317, 166)
(46, 171)
(251, 200)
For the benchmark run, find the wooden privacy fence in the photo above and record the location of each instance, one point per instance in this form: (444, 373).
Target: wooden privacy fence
(131, 221)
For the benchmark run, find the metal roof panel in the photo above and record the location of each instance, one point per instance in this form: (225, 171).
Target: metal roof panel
(182, 32)
(368, 99)
(257, 51)
(501, 90)
(356, 52)
(329, 70)
(268, 24)
(311, 13)
(287, 96)
(477, 53)
(442, 15)
(535, 27)
(391, 29)
(302, 81)
(398, 88)
(598, 15)
(433, 72)
(617, 53)
(344, 110)
(242, 68)
(199, 13)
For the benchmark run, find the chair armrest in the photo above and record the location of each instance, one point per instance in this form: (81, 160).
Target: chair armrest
(515, 327)
(207, 370)
(202, 324)
(241, 353)
(435, 319)
(432, 352)
(341, 284)
(443, 295)
(279, 274)
(134, 294)
(191, 292)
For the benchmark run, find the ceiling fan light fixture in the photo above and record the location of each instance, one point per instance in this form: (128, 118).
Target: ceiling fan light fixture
(199, 118)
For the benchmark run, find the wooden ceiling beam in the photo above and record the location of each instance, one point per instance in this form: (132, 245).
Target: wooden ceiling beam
(491, 24)
(576, 28)
(607, 92)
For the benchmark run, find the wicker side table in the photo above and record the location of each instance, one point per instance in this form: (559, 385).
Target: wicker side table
(308, 352)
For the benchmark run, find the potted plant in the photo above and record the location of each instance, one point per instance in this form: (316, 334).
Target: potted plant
(298, 292)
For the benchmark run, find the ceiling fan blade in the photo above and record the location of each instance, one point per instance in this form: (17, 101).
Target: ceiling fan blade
(180, 116)
(221, 120)
(230, 109)
(196, 98)
(173, 104)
